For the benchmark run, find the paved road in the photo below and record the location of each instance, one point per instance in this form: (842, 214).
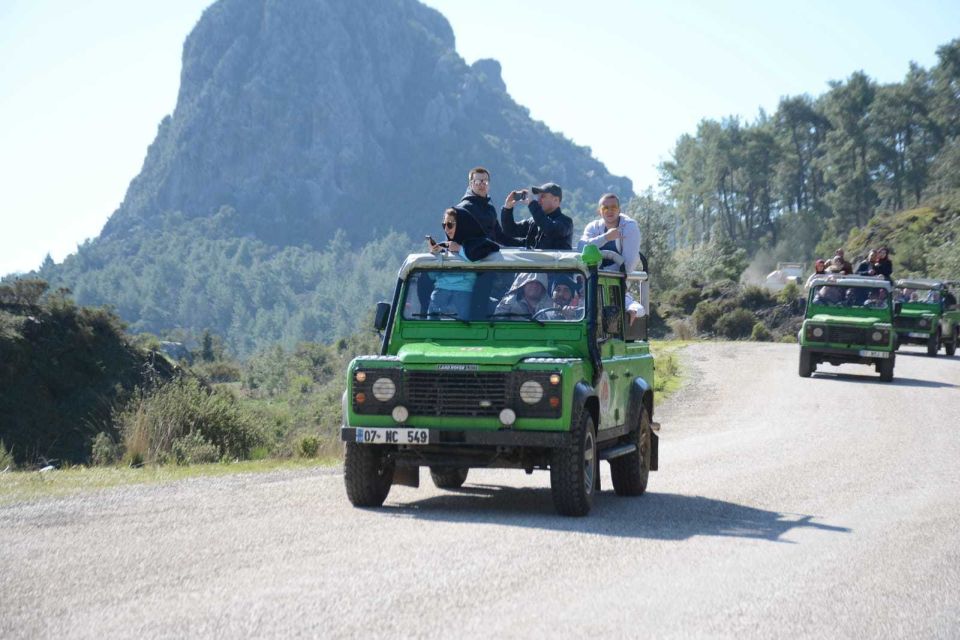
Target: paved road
(785, 507)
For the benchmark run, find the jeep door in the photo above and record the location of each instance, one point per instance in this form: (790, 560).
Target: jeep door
(615, 381)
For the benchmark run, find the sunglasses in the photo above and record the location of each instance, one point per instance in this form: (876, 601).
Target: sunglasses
(480, 181)
(448, 225)
(611, 208)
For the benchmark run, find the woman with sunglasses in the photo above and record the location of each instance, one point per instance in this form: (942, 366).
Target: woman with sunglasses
(451, 289)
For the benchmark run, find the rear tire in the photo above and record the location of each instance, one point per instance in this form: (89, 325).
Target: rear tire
(573, 468)
(886, 370)
(367, 474)
(806, 364)
(631, 472)
(933, 343)
(449, 478)
(950, 348)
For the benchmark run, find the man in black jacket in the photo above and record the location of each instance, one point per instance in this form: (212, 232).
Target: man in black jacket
(476, 202)
(548, 228)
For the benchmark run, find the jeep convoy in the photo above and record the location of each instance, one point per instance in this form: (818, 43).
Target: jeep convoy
(559, 388)
(848, 319)
(928, 316)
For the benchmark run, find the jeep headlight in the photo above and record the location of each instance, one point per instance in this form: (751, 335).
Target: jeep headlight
(923, 323)
(816, 332)
(384, 389)
(876, 336)
(531, 392)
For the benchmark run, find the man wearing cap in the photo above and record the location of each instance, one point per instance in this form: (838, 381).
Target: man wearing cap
(548, 228)
(476, 202)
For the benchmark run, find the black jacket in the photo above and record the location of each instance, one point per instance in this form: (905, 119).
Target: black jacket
(469, 233)
(486, 215)
(541, 230)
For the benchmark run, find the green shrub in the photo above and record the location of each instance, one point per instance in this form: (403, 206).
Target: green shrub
(683, 328)
(706, 314)
(6, 458)
(754, 297)
(788, 338)
(193, 448)
(218, 371)
(685, 299)
(151, 422)
(761, 333)
(735, 324)
(789, 293)
(308, 446)
(104, 450)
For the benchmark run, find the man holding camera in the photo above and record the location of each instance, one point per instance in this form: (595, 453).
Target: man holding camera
(548, 228)
(476, 202)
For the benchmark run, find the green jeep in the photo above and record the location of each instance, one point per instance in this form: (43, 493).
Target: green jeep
(929, 315)
(848, 319)
(560, 387)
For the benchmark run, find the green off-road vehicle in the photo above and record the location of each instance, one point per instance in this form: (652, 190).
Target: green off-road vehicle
(928, 316)
(557, 381)
(848, 319)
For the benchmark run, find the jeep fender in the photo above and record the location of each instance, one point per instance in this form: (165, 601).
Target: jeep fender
(584, 395)
(641, 395)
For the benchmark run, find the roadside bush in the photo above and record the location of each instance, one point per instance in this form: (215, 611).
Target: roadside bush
(308, 446)
(706, 314)
(685, 299)
(789, 293)
(736, 324)
(754, 297)
(683, 328)
(761, 333)
(193, 448)
(218, 371)
(151, 422)
(6, 458)
(788, 338)
(104, 451)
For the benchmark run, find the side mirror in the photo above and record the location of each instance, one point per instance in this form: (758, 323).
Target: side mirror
(381, 316)
(897, 307)
(611, 319)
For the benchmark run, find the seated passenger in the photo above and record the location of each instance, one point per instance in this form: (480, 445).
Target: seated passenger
(526, 296)
(452, 289)
(828, 294)
(877, 299)
(566, 297)
(613, 231)
(819, 268)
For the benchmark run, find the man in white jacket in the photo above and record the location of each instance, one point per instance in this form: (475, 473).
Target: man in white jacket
(613, 231)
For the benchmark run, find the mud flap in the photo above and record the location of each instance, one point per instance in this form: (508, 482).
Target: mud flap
(407, 476)
(654, 450)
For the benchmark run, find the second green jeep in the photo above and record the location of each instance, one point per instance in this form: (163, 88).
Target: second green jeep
(848, 319)
(555, 379)
(929, 315)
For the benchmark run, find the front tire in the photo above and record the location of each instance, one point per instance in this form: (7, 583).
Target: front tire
(933, 343)
(449, 478)
(573, 468)
(806, 363)
(367, 474)
(886, 370)
(631, 472)
(950, 348)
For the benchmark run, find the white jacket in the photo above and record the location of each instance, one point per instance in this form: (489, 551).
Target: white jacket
(628, 244)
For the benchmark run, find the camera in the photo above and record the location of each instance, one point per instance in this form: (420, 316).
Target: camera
(519, 195)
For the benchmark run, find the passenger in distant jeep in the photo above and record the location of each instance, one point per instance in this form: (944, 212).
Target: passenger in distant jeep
(877, 299)
(828, 294)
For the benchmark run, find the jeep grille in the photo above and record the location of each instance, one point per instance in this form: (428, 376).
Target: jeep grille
(456, 393)
(848, 335)
(902, 322)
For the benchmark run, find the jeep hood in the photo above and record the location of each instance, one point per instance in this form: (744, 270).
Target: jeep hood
(431, 353)
(918, 312)
(858, 321)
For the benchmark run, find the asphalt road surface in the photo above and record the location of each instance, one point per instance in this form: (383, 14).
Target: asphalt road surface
(784, 507)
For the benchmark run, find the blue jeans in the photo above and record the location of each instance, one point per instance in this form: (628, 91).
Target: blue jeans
(453, 302)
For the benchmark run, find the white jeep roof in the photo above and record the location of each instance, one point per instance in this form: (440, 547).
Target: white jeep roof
(503, 259)
(851, 281)
(920, 283)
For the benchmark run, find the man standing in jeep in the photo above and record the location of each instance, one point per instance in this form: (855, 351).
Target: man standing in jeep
(476, 202)
(548, 228)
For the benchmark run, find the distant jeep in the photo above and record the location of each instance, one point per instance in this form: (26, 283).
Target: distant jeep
(929, 315)
(559, 388)
(848, 319)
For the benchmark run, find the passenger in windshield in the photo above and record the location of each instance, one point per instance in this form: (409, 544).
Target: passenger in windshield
(568, 304)
(526, 296)
(828, 294)
(877, 299)
(452, 289)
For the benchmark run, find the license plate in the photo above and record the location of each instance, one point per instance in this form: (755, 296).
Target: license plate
(874, 354)
(914, 334)
(393, 436)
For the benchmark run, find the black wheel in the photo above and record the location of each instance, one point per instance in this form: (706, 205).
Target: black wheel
(886, 369)
(896, 342)
(367, 474)
(630, 472)
(933, 344)
(951, 347)
(449, 478)
(573, 468)
(806, 364)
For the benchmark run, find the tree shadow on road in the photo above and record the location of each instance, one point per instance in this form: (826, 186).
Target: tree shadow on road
(659, 516)
(897, 381)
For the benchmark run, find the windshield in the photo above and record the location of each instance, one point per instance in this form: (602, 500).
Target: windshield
(838, 295)
(494, 296)
(922, 296)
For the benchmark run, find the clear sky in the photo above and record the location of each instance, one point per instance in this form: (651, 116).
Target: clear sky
(83, 85)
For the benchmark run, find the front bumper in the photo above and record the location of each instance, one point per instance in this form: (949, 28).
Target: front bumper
(838, 356)
(483, 438)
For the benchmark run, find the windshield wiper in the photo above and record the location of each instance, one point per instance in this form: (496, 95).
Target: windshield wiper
(514, 314)
(442, 314)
